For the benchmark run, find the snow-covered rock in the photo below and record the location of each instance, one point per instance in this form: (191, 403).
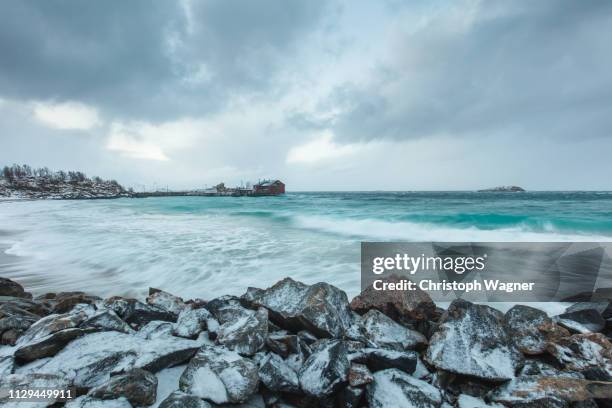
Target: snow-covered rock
(277, 376)
(220, 375)
(395, 388)
(179, 399)
(166, 301)
(30, 381)
(283, 343)
(583, 351)
(138, 314)
(398, 305)
(381, 359)
(321, 308)
(538, 368)
(138, 386)
(89, 402)
(383, 332)
(467, 401)
(524, 323)
(7, 364)
(14, 321)
(90, 360)
(582, 321)
(472, 340)
(155, 328)
(326, 370)
(191, 322)
(106, 320)
(359, 374)
(247, 334)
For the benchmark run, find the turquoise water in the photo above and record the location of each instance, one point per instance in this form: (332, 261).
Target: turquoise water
(206, 246)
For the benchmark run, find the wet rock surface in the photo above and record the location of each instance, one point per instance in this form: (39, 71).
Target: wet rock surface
(297, 345)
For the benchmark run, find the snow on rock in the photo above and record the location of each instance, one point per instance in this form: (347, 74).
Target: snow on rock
(472, 340)
(533, 388)
(386, 333)
(321, 308)
(535, 367)
(246, 335)
(380, 359)
(524, 322)
(582, 321)
(28, 305)
(179, 399)
(136, 385)
(89, 402)
(583, 351)
(277, 376)
(467, 401)
(395, 388)
(90, 360)
(220, 375)
(7, 364)
(30, 381)
(398, 305)
(138, 314)
(156, 328)
(106, 320)
(326, 370)
(50, 334)
(350, 397)
(191, 322)
(359, 374)
(14, 321)
(166, 301)
(284, 344)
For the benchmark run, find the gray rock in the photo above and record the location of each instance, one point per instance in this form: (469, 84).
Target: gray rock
(284, 344)
(12, 288)
(321, 308)
(277, 376)
(166, 301)
(156, 328)
(472, 340)
(533, 388)
(359, 375)
(49, 335)
(582, 321)
(7, 365)
(538, 368)
(90, 360)
(138, 314)
(582, 351)
(350, 397)
(138, 386)
(380, 359)
(220, 375)
(106, 320)
(246, 335)
(604, 307)
(179, 399)
(191, 322)
(226, 309)
(14, 321)
(524, 323)
(28, 305)
(395, 388)
(468, 401)
(31, 381)
(64, 302)
(89, 402)
(383, 332)
(326, 370)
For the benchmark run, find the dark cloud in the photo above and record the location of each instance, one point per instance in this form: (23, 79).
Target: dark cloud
(525, 68)
(149, 59)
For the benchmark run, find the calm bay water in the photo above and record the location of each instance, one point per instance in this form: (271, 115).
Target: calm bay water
(208, 246)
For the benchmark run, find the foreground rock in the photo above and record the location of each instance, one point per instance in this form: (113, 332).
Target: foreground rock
(14, 321)
(89, 402)
(179, 399)
(12, 288)
(277, 376)
(321, 309)
(166, 301)
(220, 376)
(31, 381)
(383, 332)
(326, 370)
(472, 340)
(539, 389)
(398, 305)
(529, 327)
(90, 360)
(394, 388)
(582, 321)
(138, 386)
(583, 352)
(247, 334)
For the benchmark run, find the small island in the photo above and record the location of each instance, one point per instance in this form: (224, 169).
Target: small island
(503, 189)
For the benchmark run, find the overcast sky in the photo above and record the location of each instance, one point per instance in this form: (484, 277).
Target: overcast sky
(335, 95)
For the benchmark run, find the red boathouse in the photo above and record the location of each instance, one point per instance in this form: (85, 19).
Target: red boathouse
(269, 187)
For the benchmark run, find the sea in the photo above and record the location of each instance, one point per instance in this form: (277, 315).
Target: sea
(203, 247)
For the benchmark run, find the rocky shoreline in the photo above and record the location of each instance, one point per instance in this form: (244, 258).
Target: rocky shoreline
(295, 345)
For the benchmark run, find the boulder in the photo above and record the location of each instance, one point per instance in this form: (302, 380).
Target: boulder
(326, 370)
(472, 340)
(138, 386)
(380, 359)
(283, 343)
(538, 368)
(467, 401)
(191, 322)
(395, 388)
(66, 301)
(604, 307)
(90, 360)
(28, 305)
(14, 321)
(530, 389)
(398, 305)
(226, 309)
(106, 320)
(359, 375)
(524, 323)
(7, 365)
(155, 329)
(30, 381)
(383, 332)
(49, 335)
(582, 351)
(350, 397)
(138, 314)
(12, 288)
(220, 375)
(277, 376)
(89, 402)
(166, 301)
(179, 399)
(321, 308)
(246, 335)
(582, 321)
